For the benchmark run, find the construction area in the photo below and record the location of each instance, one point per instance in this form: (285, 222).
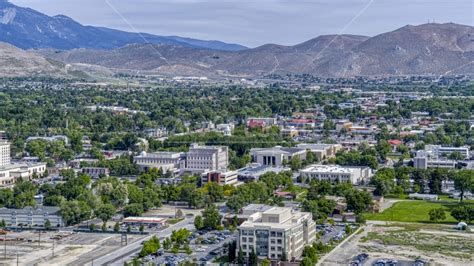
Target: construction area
(405, 243)
(57, 248)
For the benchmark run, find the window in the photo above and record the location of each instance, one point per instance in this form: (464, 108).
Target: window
(244, 239)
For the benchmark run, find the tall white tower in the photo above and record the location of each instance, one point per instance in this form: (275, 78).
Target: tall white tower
(4, 153)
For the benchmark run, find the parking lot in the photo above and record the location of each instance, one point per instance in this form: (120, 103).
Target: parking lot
(206, 246)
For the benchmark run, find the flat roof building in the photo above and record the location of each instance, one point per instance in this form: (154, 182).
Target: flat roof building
(275, 231)
(167, 161)
(200, 159)
(276, 156)
(30, 216)
(336, 174)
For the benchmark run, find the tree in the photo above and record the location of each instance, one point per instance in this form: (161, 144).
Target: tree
(240, 257)
(180, 236)
(253, 259)
(198, 222)
(284, 256)
(231, 249)
(3, 224)
(296, 163)
(105, 212)
(384, 181)
(211, 217)
(134, 209)
(437, 215)
(265, 262)
(141, 228)
(306, 262)
(463, 213)
(310, 252)
(358, 201)
(116, 227)
(214, 191)
(167, 243)
(47, 224)
(464, 181)
(74, 212)
(150, 247)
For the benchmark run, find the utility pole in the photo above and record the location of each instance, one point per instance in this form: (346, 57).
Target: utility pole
(17, 259)
(53, 248)
(5, 245)
(39, 238)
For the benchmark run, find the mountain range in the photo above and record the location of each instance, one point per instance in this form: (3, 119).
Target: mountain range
(411, 50)
(29, 29)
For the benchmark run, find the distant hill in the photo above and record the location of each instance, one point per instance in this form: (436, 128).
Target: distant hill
(29, 29)
(17, 62)
(419, 50)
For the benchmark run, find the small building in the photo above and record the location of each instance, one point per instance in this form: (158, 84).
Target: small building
(145, 221)
(220, 177)
(96, 172)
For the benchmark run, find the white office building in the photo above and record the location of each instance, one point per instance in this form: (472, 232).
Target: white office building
(437, 151)
(200, 159)
(30, 216)
(167, 161)
(4, 153)
(425, 160)
(337, 174)
(275, 231)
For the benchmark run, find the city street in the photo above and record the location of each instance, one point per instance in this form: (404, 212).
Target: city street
(125, 253)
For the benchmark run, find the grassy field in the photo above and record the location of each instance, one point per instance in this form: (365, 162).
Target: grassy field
(413, 211)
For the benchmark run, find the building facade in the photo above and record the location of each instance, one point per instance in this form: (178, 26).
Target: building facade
(336, 174)
(219, 177)
(4, 153)
(30, 216)
(276, 232)
(276, 156)
(200, 159)
(167, 161)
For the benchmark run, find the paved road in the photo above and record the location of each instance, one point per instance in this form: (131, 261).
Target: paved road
(134, 247)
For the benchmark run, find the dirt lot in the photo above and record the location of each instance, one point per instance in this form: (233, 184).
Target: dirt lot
(71, 249)
(436, 244)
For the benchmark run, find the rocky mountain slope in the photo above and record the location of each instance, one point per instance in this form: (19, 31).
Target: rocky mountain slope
(27, 29)
(17, 62)
(424, 49)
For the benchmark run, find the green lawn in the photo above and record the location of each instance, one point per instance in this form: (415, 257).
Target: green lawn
(413, 211)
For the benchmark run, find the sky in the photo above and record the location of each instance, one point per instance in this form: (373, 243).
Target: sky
(257, 22)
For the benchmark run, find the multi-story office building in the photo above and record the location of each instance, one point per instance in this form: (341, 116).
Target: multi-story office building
(220, 177)
(426, 159)
(167, 161)
(272, 232)
(336, 174)
(4, 153)
(30, 216)
(437, 151)
(200, 159)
